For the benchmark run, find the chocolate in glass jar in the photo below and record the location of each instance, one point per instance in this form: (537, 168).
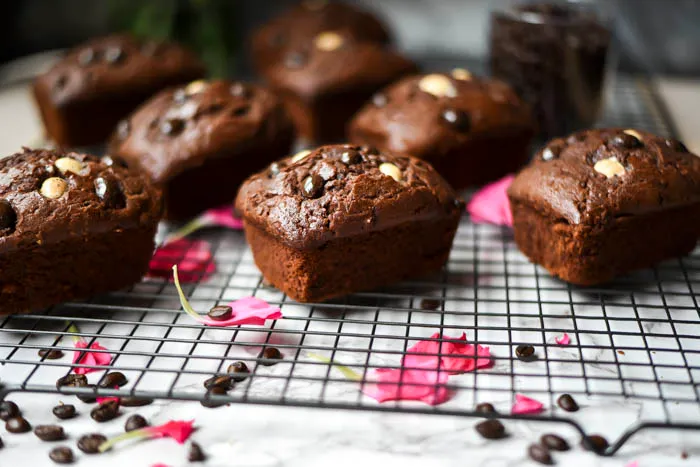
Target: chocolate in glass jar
(554, 55)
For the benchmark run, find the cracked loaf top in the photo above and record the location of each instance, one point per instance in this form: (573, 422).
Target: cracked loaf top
(341, 191)
(596, 175)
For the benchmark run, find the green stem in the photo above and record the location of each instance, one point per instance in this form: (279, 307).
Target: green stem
(183, 300)
(123, 437)
(348, 372)
(74, 330)
(184, 231)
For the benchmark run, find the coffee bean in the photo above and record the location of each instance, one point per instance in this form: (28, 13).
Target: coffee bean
(172, 127)
(380, 100)
(269, 356)
(17, 425)
(566, 402)
(8, 410)
(64, 411)
(135, 422)
(240, 90)
(105, 411)
(114, 55)
(220, 313)
(225, 382)
(134, 401)
(214, 391)
(86, 57)
(89, 397)
(625, 141)
(195, 454)
(61, 455)
(295, 60)
(238, 371)
(50, 354)
(123, 129)
(72, 380)
(554, 442)
(526, 353)
(351, 156)
(599, 443)
(458, 119)
(675, 145)
(90, 444)
(8, 218)
(49, 432)
(113, 379)
(2, 445)
(109, 190)
(485, 407)
(491, 429)
(539, 453)
(430, 304)
(312, 186)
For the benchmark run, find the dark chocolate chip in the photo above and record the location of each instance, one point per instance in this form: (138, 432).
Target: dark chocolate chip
(86, 57)
(351, 156)
(135, 401)
(90, 444)
(111, 161)
(430, 304)
(458, 119)
(72, 380)
(172, 127)
(554, 442)
(17, 425)
(269, 356)
(114, 55)
(123, 129)
(8, 218)
(576, 137)
(525, 352)
(113, 379)
(214, 391)
(676, 145)
(295, 60)
(238, 371)
(110, 192)
(380, 100)
(370, 150)
(50, 354)
(623, 140)
(135, 422)
(566, 402)
(491, 429)
(598, 443)
(64, 411)
(49, 432)
(220, 313)
(312, 186)
(222, 381)
(274, 169)
(8, 410)
(90, 397)
(241, 111)
(106, 411)
(240, 90)
(551, 152)
(61, 455)
(195, 453)
(540, 454)
(486, 407)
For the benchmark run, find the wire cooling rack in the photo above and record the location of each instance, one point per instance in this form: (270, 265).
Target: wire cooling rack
(636, 340)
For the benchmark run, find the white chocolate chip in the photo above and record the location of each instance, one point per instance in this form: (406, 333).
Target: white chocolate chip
(437, 85)
(195, 87)
(633, 133)
(300, 155)
(53, 187)
(68, 164)
(390, 170)
(461, 74)
(329, 41)
(609, 167)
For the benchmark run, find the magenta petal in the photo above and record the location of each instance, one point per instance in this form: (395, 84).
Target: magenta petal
(385, 384)
(490, 205)
(179, 430)
(193, 258)
(222, 217)
(563, 340)
(82, 357)
(526, 405)
(248, 310)
(454, 353)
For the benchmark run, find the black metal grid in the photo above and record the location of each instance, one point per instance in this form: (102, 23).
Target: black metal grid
(638, 339)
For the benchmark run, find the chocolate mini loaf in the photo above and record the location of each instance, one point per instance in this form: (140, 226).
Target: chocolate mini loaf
(342, 219)
(601, 203)
(71, 226)
(84, 95)
(471, 130)
(199, 142)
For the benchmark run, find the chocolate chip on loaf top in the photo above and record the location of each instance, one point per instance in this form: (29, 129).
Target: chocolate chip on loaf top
(47, 196)
(596, 175)
(341, 191)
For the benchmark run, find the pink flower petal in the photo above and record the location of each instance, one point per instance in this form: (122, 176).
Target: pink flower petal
(526, 405)
(456, 355)
(192, 257)
(490, 205)
(222, 217)
(179, 430)
(160, 465)
(390, 384)
(82, 357)
(563, 340)
(248, 310)
(632, 464)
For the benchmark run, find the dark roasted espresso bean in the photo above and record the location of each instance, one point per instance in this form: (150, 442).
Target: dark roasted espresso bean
(134, 401)
(8, 218)
(312, 186)
(61, 455)
(105, 411)
(599, 443)
(64, 411)
(172, 127)
(491, 429)
(8, 410)
(625, 141)
(90, 444)
(49, 432)
(458, 119)
(554, 442)
(485, 407)
(539, 453)
(525, 352)
(430, 304)
(238, 371)
(2, 445)
(17, 425)
(215, 391)
(195, 453)
(89, 397)
(113, 379)
(270, 356)
(135, 422)
(72, 380)
(220, 313)
(50, 354)
(224, 381)
(566, 402)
